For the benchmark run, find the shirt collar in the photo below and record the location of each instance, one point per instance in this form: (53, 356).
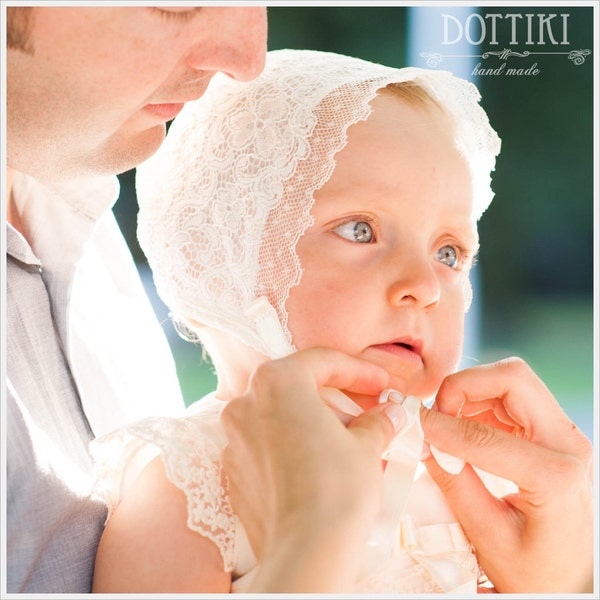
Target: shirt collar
(59, 218)
(57, 221)
(18, 248)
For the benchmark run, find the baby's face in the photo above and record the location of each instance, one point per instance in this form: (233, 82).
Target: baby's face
(386, 262)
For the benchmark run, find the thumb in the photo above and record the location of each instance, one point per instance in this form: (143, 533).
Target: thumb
(379, 424)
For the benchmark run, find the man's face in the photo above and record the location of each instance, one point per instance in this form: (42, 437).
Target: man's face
(95, 86)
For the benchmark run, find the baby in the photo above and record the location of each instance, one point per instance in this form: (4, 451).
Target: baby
(331, 202)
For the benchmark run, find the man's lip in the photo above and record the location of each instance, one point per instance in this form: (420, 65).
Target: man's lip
(166, 111)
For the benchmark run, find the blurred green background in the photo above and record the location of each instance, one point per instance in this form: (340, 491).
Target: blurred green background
(534, 282)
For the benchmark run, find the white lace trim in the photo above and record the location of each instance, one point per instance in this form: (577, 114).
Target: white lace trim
(192, 463)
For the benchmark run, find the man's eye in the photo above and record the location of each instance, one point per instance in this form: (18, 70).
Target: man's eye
(175, 14)
(448, 255)
(356, 231)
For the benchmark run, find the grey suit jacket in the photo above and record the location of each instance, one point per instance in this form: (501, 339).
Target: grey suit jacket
(53, 522)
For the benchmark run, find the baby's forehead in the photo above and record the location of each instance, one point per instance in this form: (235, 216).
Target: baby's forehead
(410, 107)
(405, 153)
(388, 138)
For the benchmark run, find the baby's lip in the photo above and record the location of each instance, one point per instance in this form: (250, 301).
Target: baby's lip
(409, 343)
(404, 348)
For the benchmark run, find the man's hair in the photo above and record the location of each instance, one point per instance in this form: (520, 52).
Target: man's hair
(18, 28)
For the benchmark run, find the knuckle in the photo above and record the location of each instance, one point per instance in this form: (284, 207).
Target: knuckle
(516, 365)
(233, 408)
(266, 377)
(446, 482)
(568, 471)
(570, 482)
(582, 445)
(230, 422)
(478, 435)
(236, 414)
(378, 431)
(271, 382)
(450, 388)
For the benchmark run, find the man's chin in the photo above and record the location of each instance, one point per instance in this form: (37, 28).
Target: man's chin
(125, 154)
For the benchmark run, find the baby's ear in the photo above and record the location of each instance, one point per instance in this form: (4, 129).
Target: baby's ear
(467, 294)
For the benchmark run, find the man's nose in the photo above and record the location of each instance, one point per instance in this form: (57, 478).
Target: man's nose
(238, 43)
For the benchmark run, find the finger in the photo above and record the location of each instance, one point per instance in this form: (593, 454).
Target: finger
(285, 392)
(510, 379)
(480, 513)
(379, 425)
(323, 367)
(492, 450)
(491, 412)
(516, 396)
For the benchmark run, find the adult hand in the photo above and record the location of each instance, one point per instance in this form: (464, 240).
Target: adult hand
(306, 487)
(541, 538)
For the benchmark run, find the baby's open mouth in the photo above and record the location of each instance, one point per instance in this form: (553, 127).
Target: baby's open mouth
(404, 345)
(402, 348)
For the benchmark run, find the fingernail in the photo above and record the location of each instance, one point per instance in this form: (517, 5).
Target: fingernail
(391, 395)
(425, 451)
(396, 415)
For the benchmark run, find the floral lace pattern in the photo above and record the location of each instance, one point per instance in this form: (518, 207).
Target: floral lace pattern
(192, 462)
(417, 578)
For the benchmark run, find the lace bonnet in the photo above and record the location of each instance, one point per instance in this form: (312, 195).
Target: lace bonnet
(227, 196)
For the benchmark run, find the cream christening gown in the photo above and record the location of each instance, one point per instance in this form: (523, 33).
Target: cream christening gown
(416, 546)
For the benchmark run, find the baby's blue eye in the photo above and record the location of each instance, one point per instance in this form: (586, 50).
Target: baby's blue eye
(448, 255)
(356, 231)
